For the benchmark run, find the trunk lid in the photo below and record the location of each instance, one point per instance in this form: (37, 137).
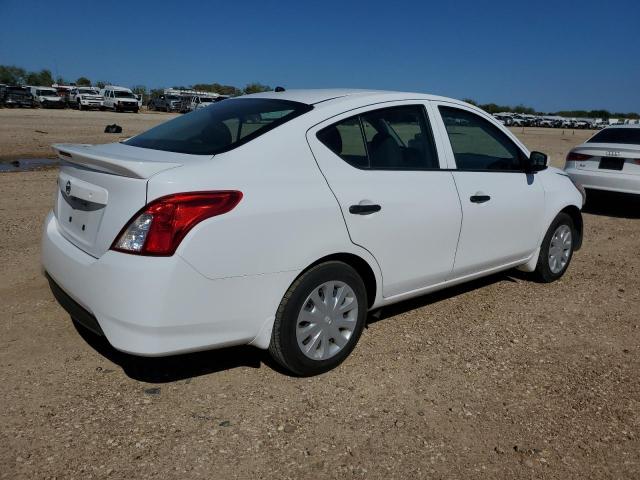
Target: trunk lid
(101, 187)
(612, 158)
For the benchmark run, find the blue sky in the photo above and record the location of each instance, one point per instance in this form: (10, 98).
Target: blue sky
(547, 54)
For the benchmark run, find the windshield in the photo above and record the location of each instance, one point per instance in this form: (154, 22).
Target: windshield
(123, 94)
(47, 93)
(172, 97)
(629, 135)
(221, 127)
(87, 91)
(206, 99)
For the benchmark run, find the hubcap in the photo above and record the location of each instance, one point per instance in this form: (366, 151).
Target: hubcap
(560, 248)
(327, 320)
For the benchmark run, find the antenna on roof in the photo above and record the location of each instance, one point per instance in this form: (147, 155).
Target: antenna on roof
(279, 89)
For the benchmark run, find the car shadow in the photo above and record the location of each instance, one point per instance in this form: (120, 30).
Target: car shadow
(177, 367)
(435, 297)
(612, 204)
(174, 368)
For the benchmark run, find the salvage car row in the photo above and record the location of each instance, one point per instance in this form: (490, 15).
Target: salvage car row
(111, 97)
(511, 119)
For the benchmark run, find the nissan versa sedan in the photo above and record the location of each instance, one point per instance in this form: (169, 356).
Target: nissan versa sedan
(280, 219)
(610, 160)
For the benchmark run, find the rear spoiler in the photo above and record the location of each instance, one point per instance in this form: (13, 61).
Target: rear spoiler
(112, 163)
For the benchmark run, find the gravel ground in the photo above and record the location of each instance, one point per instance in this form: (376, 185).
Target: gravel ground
(500, 378)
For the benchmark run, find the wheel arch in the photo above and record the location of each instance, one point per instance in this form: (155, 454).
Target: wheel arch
(576, 216)
(360, 265)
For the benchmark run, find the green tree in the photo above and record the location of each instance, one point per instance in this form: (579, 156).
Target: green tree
(470, 100)
(43, 78)
(256, 88)
(12, 75)
(102, 83)
(83, 82)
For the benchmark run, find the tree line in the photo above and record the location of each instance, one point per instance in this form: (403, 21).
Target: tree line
(604, 114)
(12, 75)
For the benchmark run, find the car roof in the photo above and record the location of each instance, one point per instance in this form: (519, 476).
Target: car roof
(335, 95)
(625, 125)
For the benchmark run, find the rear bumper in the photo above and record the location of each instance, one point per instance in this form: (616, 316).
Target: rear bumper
(154, 306)
(602, 180)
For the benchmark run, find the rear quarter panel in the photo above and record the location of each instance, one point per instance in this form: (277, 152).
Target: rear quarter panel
(287, 219)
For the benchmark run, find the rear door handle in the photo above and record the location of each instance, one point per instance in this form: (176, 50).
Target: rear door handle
(364, 209)
(479, 198)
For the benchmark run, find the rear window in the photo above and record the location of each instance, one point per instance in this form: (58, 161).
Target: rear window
(617, 135)
(221, 127)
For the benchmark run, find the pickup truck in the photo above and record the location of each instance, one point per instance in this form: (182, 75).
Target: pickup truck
(165, 103)
(85, 98)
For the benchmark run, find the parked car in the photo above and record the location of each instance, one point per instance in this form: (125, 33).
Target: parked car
(119, 99)
(16, 96)
(194, 102)
(85, 97)
(280, 219)
(609, 160)
(165, 103)
(47, 97)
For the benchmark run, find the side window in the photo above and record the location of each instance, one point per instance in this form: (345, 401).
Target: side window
(398, 138)
(345, 140)
(395, 138)
(477, 144)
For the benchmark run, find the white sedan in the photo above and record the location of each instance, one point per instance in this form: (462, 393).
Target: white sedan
(610, 160)
(280, 219)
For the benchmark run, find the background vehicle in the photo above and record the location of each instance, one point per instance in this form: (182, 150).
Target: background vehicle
(119, 99)
(610, 160)
(47, 97)
(85, 98)
(165, 103)
(370, 198)
(16, 96)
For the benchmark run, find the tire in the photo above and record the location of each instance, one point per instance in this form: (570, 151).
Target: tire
(79, 106)
(292, 332)
(547, 270)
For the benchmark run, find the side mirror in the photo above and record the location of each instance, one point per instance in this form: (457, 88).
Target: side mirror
(537, 161)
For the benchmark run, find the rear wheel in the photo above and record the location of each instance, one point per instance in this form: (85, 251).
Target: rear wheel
(556, 250)
(320, 319)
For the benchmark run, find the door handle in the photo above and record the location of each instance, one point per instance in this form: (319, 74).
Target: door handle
(364, 209)
(479, 198)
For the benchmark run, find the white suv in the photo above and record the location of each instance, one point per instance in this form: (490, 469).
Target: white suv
(280, 219)
(119, 99)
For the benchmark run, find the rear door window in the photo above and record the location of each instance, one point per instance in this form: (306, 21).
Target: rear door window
(220, 127)
(395, 138)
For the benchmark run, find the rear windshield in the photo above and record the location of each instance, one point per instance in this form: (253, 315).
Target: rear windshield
(221, 127)
(617, 135)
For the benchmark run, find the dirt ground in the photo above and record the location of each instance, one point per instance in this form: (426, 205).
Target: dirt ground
(500, 378)
(28, 133)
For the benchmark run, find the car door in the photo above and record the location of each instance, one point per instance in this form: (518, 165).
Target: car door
(503, 207)
(383, 168)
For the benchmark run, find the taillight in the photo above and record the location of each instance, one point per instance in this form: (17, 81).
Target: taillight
(159, 227)
(577, 157)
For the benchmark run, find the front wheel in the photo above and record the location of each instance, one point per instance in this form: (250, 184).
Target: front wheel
(556, 250)
(320, 319)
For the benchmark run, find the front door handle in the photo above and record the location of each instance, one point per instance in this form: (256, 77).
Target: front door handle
(479, 198)
(364, 209)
